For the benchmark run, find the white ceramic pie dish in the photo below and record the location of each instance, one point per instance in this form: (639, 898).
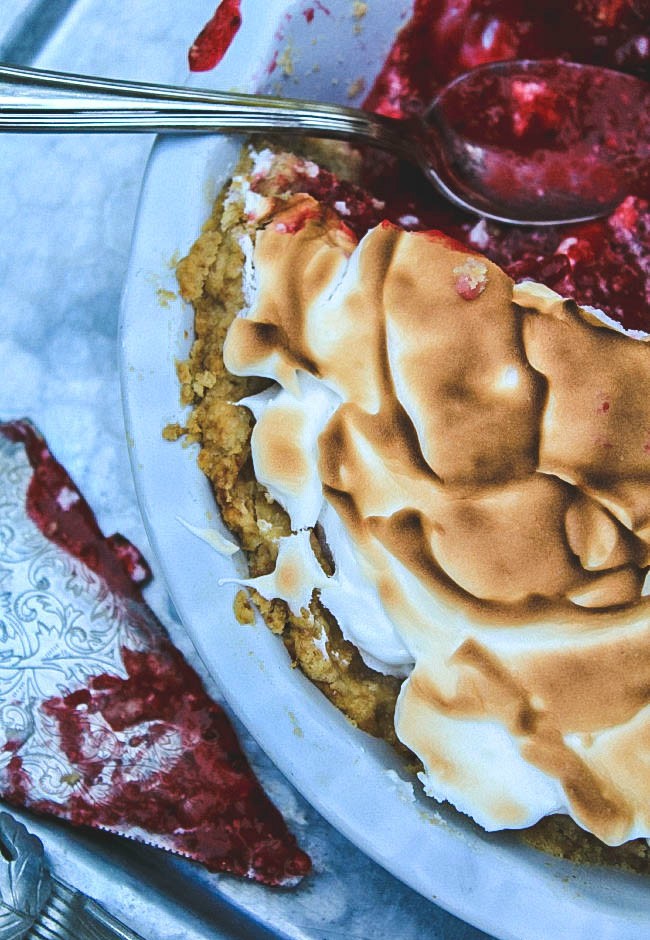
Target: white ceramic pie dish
(493, 882)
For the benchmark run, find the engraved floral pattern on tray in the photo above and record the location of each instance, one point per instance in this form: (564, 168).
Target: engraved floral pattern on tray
(60, 625)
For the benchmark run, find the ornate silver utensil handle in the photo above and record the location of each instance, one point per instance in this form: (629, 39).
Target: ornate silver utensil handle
(34, 905)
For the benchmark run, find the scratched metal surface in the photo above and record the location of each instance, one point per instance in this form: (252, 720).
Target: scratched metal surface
(66, 211)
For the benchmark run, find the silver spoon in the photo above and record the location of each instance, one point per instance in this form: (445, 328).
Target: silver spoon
(520, 142)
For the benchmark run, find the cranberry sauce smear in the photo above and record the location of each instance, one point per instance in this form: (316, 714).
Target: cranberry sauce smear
(606, 263)
(56, 506)
(153, 755)
(214, 40)
(207, 802)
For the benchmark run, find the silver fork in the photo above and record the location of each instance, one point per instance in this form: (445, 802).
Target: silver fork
(35, 100)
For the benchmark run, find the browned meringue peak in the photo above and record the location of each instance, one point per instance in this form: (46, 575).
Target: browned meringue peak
(489, 459)
(575, 705)
(280, 457)
(459, 367)
(290, 273)
(595, 430)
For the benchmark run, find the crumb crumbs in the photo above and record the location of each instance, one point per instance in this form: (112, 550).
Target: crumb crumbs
(173, 432)
(285, 61)
(356, 87)
(359, 9)
(243, 609)
(207, 379)
(184, 371)
(297, 730)
(203, 381)
(165, 297)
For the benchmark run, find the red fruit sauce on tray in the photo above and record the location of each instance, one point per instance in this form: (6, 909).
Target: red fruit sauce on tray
(149, 754)
(212, 43)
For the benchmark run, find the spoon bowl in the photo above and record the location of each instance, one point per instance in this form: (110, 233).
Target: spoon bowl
(521, 142)
(542, 141)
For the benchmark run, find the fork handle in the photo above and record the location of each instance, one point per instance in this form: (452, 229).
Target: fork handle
(69, 913)
(34, 100)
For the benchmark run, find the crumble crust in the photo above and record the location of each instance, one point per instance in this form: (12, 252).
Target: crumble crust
(210, 278)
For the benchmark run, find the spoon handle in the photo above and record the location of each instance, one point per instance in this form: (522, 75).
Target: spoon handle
(33, 100)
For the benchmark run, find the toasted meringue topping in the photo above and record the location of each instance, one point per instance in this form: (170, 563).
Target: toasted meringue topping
(478, 455)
